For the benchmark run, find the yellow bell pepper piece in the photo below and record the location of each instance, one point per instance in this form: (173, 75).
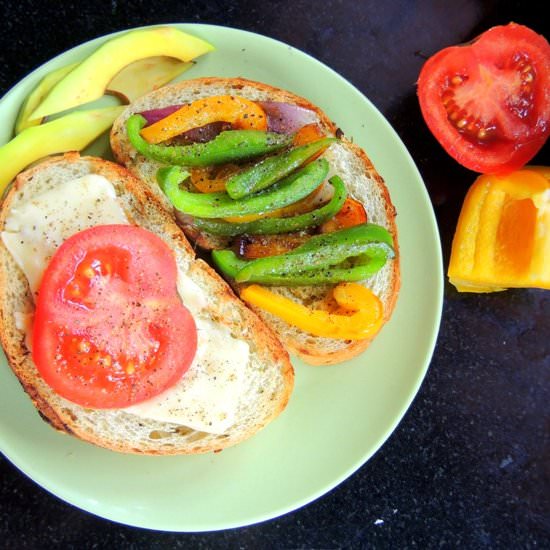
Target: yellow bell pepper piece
(502, 237)
(359, 314)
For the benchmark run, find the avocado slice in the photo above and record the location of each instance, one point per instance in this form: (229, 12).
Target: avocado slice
(131, 82)
(89, 80)
(37, 95)
(71, 132)
(145, 75)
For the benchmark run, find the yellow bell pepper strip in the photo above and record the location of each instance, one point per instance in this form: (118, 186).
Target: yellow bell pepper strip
(240, 112)
(360, 312)
(229, 146)
(502, 239)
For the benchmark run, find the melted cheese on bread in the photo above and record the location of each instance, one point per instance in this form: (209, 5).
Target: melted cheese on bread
(207, 396)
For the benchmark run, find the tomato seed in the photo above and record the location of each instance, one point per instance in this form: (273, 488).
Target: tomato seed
(84, 346)
(457, 80)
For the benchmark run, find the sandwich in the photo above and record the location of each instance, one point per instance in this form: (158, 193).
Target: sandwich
(117, 331)
(273, 195)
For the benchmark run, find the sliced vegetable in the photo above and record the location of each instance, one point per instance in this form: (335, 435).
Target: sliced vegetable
(272, 169)
(315, 199)
(363, 320)
(240, 112)
(110, 329)
(250, 247)
(71, 132)
(308, 134)
(488, 103)
(216, 205)
(212, 179)
(144, 75)
(362, 268)
(348, 255)
(502, 239)
(37, 95)
(90, 79)
(154, 115)
(352, 213)
(227, 147)
(201, 134)
(270, 226)
(287, 118)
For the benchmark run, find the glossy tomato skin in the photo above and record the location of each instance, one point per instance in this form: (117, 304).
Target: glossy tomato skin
(110, 329)
(488, 102)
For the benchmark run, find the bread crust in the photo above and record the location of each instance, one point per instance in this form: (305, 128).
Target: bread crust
(156, 438)
(313, 350)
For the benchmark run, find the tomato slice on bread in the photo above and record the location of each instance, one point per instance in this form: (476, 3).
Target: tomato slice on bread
(110, 329)
(488, 102)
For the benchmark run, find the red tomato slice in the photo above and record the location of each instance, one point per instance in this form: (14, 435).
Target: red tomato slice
(488, 103)
(109, 328)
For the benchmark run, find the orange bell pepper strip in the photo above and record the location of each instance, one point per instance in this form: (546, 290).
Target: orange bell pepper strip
(308, 134)
(242, 113)
(502, 239)
(352, 213)
(211, 179)
(359, 314)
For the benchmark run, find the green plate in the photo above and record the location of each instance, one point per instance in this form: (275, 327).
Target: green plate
(338, 416)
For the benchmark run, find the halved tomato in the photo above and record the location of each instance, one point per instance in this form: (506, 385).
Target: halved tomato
(488, 102)
(109, 328)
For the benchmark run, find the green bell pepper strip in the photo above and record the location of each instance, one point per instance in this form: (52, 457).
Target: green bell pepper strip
(272, 169)
(220, 205)
(361, 233)
(229, 146)
(230, 264)
(319, 260)
(272, 226)
(311, 260)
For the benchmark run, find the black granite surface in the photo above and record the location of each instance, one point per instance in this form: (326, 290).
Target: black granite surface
(469, 465)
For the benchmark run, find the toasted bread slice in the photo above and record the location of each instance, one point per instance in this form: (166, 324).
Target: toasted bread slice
(269, 373)
(345, 158)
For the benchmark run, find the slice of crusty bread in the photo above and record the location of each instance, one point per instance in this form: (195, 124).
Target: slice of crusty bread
(269, 374)
(346, 159)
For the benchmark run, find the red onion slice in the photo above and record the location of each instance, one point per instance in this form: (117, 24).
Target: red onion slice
(202, 134)
(286, 118)
(154, 115)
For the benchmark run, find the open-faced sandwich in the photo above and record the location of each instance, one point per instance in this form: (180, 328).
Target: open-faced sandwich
(118, 333)
(292, 213)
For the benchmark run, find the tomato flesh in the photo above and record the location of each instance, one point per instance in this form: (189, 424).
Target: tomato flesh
(110, 329)
(488, 103)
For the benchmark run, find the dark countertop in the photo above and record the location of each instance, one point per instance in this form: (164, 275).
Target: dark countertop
(469, 465)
